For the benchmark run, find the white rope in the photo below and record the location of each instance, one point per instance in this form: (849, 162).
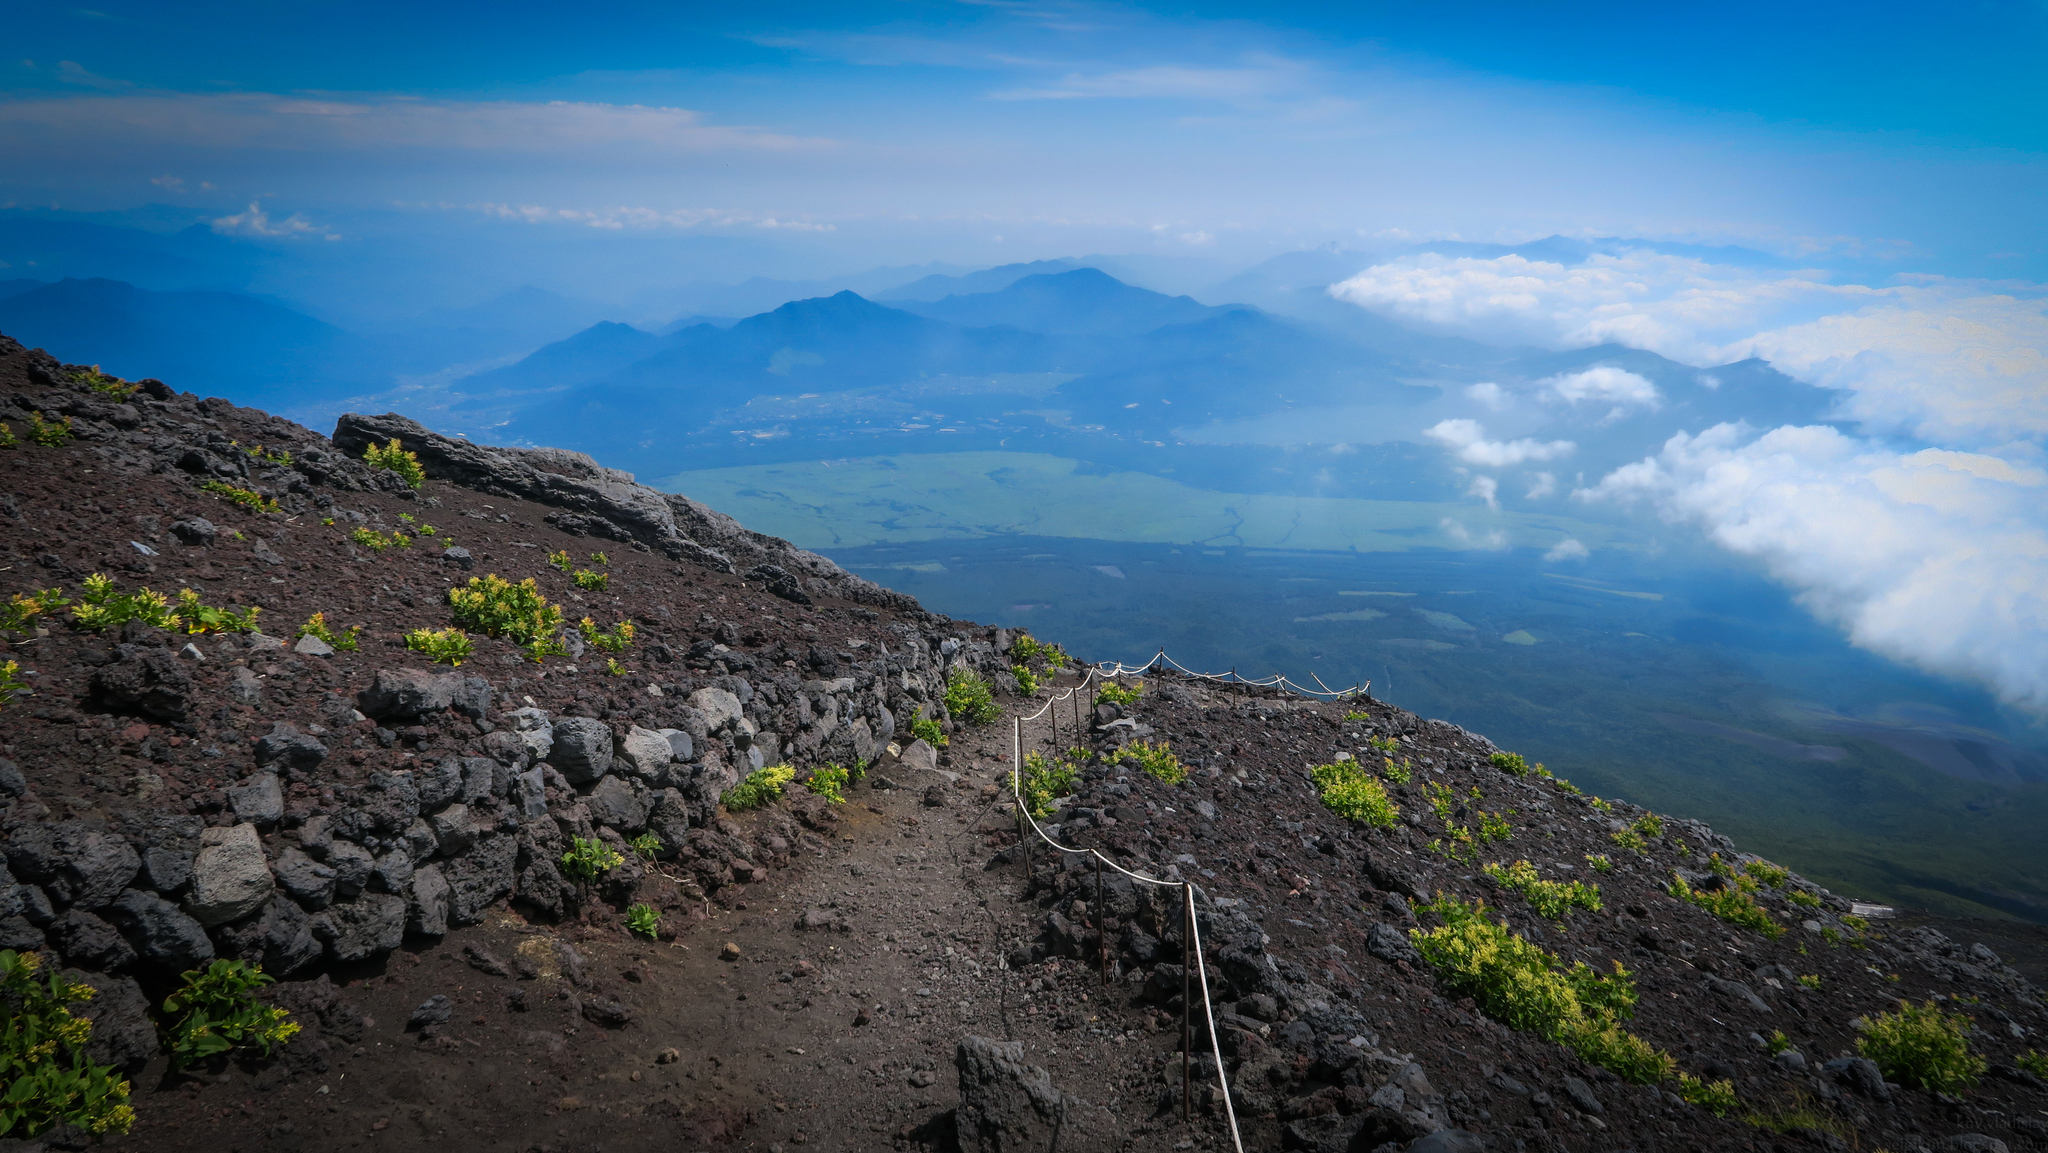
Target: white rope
(1187, 888)
(1215, 1043)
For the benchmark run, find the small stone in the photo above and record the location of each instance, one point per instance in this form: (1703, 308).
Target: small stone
(191, 652)
(313, 647)
(435, 1010)
(729, 952)
(668, 1056)
(230, 877)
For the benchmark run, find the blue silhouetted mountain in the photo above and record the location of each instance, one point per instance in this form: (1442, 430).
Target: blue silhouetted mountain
(213, 343)
(604, 347)
(192, 257)
(508, 324)
(1083, 302)
(17, 287)
(831, 344)
(934, 288)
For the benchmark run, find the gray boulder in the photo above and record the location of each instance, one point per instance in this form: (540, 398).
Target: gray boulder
(426, 911)
(1449, 1141)
(245, 687)
(89, 942)
(169, 842)
(482, 778)
(645, 753)
(439, 783)
(259, 800)
(392, 872)
(159, 931)
(230, 877)
(479, 878)
(720, 708)
(286, 747)
(352, 865)
(1390, 944)
(408, 694)
(196, 531)
(615, 803)
(367, 927)
(473, 698)
(453, 831)
(529, 794)
(681, 746)
(582, 749)
(1860, 1074)
(669, 821)
(1005, 1105)
(534, 729)
(148, 679)
(543, 889)
(76, 865)
(279, 938)
(309, 882)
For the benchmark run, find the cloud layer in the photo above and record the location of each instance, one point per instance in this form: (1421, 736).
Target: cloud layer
(1934, 558)
(1468, 439)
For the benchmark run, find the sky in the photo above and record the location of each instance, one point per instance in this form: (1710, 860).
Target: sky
(1895, 134)
(1878, 171)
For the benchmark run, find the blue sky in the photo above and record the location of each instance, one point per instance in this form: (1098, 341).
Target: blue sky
(1909, 135)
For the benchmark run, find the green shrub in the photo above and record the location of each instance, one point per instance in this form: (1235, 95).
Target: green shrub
(49, 1079)
(589, 858)
(1802, 898)
(1524, 987)
(589, 581)
(561, 560)
(1552, 899)
(316, 627)
(613, 668)
(10, 681)
(646, 844)
(246, 497)
(394, 457)
(614, 641)
(1601, 862)
(828, 781)
(1441, 800)
(2033, 1062)
(444, 646)
(101, 607)
(1716, 1097)
(1400, 774)
(1355, 715)
(1922, 1047)
(1027, 684)
(1112, 693)
(927, 730)
(1770, 875)
(1628, 839)
(968, 698)
(1026, 649)
(1601, 804)
(1350, 792)
(1811, 981)
(760, 787)
(375, 541)
(496, 607)
(1494, 827)
(217, 1011)
(1650, 825)
(7, 437)
(1157, 760)
(1777, 1042)
(1045, 779)
(1731, 905)
(1510, 763)
(49, 433)
(25, 609)
(104, 383)
(642, 919)
(281, 458)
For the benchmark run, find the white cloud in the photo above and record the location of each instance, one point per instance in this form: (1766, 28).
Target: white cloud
(1490, 394)
(256, 222)
(1933, 557)
(1487, 489)
(1468, 438)
(1567, 549)
(1541, 484)
(1603, 384)
(1456, 530)
(1944, 360)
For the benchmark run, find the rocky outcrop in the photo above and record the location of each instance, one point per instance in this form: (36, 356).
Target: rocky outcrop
(596, 501)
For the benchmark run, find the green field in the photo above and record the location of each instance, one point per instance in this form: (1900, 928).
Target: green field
(956, 496)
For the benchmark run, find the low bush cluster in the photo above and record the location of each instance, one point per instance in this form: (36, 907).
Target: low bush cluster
(43, 1064)
(927, 730)
(968, 698)
(615, 641)
(1112, 693)
(1731, 904)
(316, 626)
(829, 782)
(1157, 760)
(449, 646)
(10, 681)
(394, 457)
(1351, 792)
(100, 606)
(760, 787)
(1045, 780)
(589, 858)
(1511, 764)
(49, 433)
(1027, 681)
(248, 498)
(1922, 1047)
(496, 607)
(643, 919)
(1026, 649)
(216, 1011)
(1552, 899)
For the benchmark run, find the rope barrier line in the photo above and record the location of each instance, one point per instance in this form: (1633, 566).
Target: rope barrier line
(1192, 936)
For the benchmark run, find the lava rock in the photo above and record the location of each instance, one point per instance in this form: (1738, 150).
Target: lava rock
(435, 1010)
(145, 679)
(366, 927)
(352, 865)
(1581, 1096)
(426, 910)
(1860, 1074)
(646, 753)
(582, 749)
(285, 745)
(1004, 1103)
(75, 864)
(245, 687)
(280, 938)
(454, 833)
(614, 803)
(479, 878)
(1390, 944)
(259, 801)
(309, 882)
(197, 531)
(408, 694)
(89, 942)
(230, 877)
(473, 699)
(159, 931)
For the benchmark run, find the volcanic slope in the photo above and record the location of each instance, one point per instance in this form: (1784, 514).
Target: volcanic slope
(817, 967)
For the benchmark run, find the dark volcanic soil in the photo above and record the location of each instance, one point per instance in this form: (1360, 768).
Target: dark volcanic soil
(820, 963)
